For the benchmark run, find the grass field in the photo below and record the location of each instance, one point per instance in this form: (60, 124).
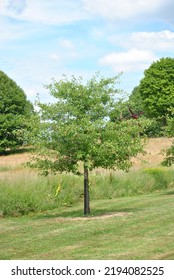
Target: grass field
(132, 214)
(126, 228)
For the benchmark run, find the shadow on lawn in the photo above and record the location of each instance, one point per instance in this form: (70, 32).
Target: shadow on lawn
(96, 213)
(168, 193)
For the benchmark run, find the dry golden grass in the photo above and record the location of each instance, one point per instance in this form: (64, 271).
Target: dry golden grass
(152, 157)
(14, 160)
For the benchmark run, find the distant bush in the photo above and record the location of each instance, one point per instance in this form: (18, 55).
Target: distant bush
(169, 159)
(161, 177)
(155, 129)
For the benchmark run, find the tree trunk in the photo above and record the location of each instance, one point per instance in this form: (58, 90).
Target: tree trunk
(86, 191)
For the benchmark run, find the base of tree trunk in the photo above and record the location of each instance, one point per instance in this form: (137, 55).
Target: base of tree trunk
(86, 192)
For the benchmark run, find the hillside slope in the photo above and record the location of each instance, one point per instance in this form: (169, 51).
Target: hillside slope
(152, 157)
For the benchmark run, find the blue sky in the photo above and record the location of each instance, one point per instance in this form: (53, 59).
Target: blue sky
(44, 39)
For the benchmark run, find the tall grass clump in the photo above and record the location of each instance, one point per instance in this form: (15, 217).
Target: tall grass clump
(21, 192)
(163, 178)
(135, 182)
(5, 168)
(24, 191)
(67, 189)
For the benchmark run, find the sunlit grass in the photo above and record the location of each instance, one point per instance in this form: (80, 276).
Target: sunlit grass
(124, 228)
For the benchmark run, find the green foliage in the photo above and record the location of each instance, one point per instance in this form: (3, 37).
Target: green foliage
(155, 128)
(78, 128)
(161, 177)
(155, 95)
(136, 100)
(170, 126)
(157, 89)
(14, 109)
(169, 159)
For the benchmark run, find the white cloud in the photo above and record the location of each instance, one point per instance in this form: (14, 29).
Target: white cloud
(11, 32)
(32, 53)
(43, 11)
(64, 51)
(58, 11)
(16, 6)
(163, 40)
(55, 56)
(156, 41)
(132, 60)
(67, 44)
(122, 9)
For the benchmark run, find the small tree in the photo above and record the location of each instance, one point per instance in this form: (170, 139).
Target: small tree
(14, 109)
(78, 129)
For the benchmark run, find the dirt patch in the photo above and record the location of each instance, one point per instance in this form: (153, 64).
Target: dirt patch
(98, 217)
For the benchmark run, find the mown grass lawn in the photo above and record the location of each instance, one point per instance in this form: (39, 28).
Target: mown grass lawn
(140, 227)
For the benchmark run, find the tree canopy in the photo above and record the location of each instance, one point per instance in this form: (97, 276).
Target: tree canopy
(157, 88)
(78, 130)
(14, 108)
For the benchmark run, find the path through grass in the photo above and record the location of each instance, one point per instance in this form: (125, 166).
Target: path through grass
(140, 227)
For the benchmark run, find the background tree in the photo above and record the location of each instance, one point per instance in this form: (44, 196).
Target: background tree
(77, 130)
(135, 100)
(155, 95)
(14, 109)
(157, 89)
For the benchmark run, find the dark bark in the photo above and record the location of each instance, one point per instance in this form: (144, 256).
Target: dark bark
(86, 191)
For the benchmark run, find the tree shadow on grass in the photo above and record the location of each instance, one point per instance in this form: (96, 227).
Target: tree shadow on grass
(168, 193)
(95, 213)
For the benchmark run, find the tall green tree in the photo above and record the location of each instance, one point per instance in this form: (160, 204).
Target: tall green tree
(14, 110)
(156, 89)
(78, 130)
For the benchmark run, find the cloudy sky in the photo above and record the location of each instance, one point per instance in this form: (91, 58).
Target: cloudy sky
(43, 39)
